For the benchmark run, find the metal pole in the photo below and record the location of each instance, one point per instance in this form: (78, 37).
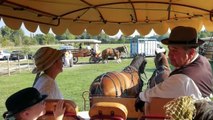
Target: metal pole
(8, 66)
(19, 67)
(28, 63)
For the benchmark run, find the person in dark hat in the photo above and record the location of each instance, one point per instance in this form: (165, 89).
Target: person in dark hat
(183, 55)
(192, 75)
(29, 104)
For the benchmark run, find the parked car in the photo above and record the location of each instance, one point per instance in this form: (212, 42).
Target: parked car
(4, 54)
(16, 54)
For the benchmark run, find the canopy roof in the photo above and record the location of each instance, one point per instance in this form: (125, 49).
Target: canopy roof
(107, 15)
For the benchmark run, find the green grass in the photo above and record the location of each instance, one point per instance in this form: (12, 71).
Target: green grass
(72, 81)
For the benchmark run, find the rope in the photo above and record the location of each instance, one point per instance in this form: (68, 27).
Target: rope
(181, 108)
(130, 70)
(122, 90)
(36, 78)
(116, 91)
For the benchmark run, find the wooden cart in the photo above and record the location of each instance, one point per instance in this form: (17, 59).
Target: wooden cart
(80, 52)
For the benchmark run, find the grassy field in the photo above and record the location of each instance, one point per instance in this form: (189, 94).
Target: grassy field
(72, 81)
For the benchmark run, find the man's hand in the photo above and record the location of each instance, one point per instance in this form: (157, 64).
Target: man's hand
(139, 104)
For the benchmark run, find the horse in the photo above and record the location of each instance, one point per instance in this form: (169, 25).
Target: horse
(115, 52)
(162, 70)
(127, 83)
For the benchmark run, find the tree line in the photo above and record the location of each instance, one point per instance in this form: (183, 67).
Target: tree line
(9, 37)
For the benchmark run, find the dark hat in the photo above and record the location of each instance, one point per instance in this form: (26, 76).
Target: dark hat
(23, 99)
(183, 36)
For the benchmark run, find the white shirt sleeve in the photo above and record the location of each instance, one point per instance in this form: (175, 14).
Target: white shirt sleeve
(175, 86)
(47, 85)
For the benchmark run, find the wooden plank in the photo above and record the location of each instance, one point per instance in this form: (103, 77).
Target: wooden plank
(128, 102)
(155, 107)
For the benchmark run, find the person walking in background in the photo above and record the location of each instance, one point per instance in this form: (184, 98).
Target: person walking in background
(192, 75)
(49, 64)
(96, 48)
(88, 47)
(29, 104)
(68, 58)
(80, 46)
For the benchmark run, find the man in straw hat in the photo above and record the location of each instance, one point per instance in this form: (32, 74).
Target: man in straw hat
(29, 104)
(192, 74)
(48, 61)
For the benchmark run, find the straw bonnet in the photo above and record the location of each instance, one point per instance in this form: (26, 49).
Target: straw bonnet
(183, 36)
(45, 57)
(23, 99)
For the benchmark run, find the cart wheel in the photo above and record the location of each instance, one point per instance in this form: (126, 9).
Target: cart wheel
(75, 60)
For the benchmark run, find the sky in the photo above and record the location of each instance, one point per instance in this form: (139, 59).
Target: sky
(26, 32)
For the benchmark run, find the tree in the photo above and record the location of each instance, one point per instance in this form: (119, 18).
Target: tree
(6, 32)
(84, 35)
(122, 39)
(5, 42)
(49, 39)
(17, 36)
(39, 38)
(204, 34)
(66, 36)
(103, 37)
(29, 41)
(26, 49)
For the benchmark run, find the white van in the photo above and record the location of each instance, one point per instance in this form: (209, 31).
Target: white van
(4, 54)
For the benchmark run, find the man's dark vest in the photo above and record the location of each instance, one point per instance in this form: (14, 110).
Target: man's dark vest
(200, 72)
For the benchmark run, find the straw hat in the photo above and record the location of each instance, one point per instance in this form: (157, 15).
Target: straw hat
(23, 99)
(183, 36)
(45, 57)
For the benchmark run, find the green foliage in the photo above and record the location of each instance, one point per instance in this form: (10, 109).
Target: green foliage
(29, 41)
(9, 37)
(65, 36)
(204, 34)
(6, 32)
(49, 39)
(26, 49)
(84, 35)
(40, 39)
(5, 42)
(122, 39)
